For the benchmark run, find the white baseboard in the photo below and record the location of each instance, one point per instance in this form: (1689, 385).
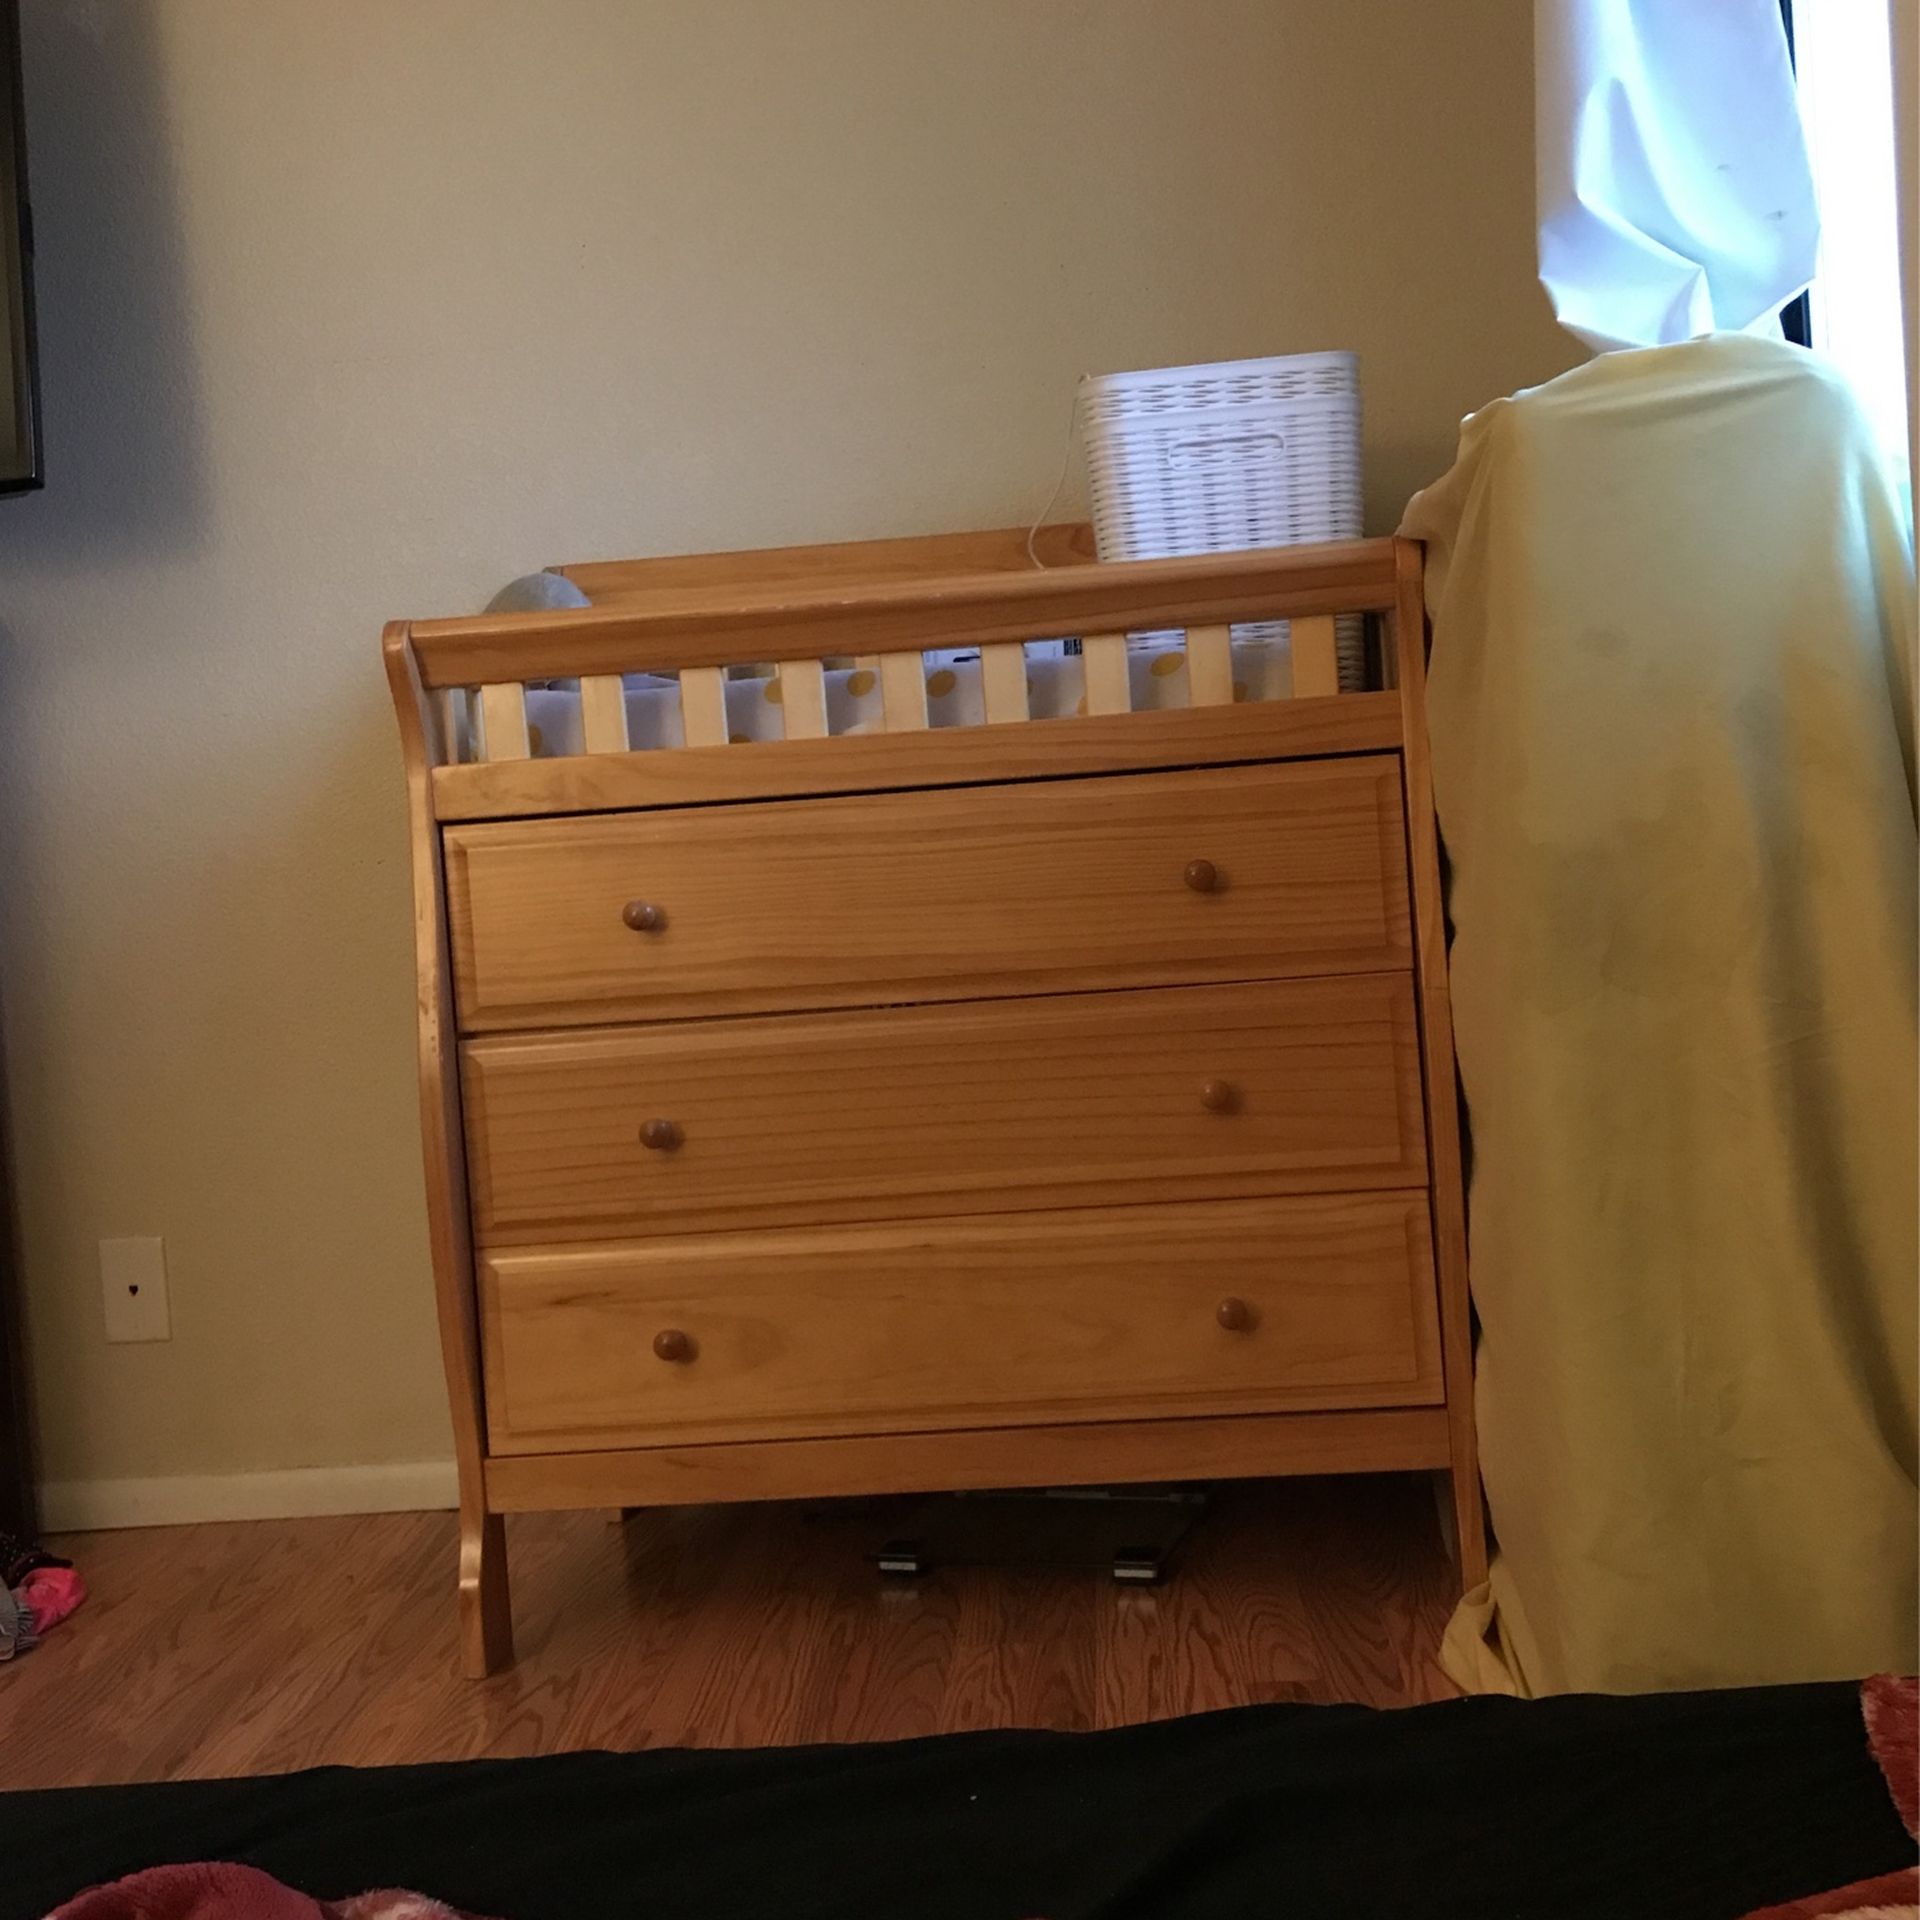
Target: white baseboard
(411, 1486)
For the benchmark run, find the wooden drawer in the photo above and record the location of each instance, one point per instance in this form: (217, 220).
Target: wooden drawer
(1010, 1320)
(1075, 1100)
(1042, 887)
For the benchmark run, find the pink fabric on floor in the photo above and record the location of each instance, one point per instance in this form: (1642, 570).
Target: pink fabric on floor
(52, 1593)
(1890, 1708)
(1891, 1897)
(394, 1905)
(1890, 1704)
(218, 1890)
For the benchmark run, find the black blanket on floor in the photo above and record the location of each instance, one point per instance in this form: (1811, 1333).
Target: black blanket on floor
(1688, 1806)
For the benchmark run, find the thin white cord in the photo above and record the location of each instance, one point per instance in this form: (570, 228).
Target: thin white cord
(1059, 485)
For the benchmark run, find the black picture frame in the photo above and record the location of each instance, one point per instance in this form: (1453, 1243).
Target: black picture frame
(26, 469)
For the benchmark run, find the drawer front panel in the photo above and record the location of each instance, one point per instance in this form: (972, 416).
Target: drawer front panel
(1076, 1100)
(1141, 880)
(1228, 1306)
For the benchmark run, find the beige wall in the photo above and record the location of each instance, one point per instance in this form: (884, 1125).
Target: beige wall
(357, 309)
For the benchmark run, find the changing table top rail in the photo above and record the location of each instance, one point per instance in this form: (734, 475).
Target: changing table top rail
(914, 556)
(934, 661)
(719, 626)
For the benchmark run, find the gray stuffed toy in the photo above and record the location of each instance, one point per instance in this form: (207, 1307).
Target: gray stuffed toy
(538, 593)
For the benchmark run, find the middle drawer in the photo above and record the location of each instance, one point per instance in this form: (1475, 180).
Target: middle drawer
(1076, 1100)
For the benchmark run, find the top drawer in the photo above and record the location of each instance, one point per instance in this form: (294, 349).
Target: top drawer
(1053, 886)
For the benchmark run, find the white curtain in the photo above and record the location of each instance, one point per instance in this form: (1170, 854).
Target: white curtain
(1675, 197)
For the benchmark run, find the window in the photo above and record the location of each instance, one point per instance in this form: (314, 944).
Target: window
(1843, 54)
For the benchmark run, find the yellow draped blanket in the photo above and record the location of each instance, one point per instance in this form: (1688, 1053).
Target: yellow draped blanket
(1671, 701)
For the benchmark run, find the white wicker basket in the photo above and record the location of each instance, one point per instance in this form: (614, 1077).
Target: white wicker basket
(1242, 453)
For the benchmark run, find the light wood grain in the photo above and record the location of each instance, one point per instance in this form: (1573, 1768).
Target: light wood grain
(1071, 1100)
(486, 1632)
(718, 626)
(903, 692)
(1084, 1453)
(1316, 658)
(949, 756)
(932, 896)
(1003, 682)
(503, 721)
(1105, 659)
(603, 713)
(803, 699)
(703, 706)
(224, 1650)
(1210, 666)
(930, 1325)
(852, 562)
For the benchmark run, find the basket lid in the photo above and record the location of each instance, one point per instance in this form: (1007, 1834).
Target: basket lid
(1340, 362)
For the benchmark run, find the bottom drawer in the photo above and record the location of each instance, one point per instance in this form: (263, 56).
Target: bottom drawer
(1224, 1306)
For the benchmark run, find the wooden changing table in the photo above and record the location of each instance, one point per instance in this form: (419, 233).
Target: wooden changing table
(1036, 1102)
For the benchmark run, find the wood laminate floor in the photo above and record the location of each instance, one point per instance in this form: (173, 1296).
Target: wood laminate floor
(265, 1646)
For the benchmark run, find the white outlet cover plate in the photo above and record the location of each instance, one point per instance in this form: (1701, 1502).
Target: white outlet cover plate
(133, 1283)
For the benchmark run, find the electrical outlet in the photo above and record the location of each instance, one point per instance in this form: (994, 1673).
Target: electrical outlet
(133, 1283)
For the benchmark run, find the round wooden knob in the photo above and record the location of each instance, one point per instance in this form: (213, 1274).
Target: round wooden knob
(1203, 876)
(673, 1346)
(661, 1135)
(1219, 1096)
(1235, 1315)
(643, 916)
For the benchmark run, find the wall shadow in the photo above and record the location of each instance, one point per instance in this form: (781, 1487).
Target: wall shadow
(118, 376)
